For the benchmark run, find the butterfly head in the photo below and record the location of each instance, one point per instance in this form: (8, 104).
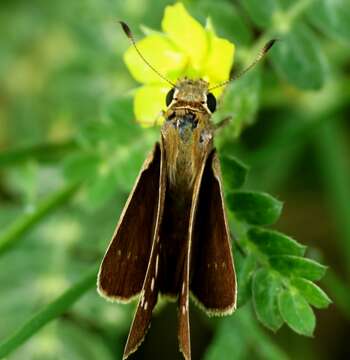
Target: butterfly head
(192, 95)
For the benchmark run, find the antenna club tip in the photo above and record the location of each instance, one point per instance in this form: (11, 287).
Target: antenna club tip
(126, 29)
(269, 45)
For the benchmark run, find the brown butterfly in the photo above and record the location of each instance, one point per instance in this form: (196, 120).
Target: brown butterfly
(172, 236)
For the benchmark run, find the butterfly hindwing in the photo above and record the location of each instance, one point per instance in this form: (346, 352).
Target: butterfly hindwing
(150, 287)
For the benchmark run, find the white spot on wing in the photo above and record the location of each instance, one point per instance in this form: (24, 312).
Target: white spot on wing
(146, 305)
(157, 259)
(152, 284)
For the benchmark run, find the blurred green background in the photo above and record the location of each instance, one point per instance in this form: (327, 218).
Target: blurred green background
(70, 151)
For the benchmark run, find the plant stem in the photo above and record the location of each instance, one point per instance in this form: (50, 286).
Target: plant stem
(259, 340)
(19, 227)
(49, 313)
(339, 292)
(333, 164)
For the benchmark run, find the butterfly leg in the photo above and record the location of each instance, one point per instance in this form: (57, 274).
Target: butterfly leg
(223, 123)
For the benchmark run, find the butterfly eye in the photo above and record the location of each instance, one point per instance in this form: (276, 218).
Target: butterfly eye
(211, 102)
(169, 97)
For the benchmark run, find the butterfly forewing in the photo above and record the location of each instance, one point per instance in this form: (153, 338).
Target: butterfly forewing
(150, 287)
(124, 266)
(213, 281)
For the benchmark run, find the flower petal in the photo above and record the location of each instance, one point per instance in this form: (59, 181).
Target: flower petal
(149, 101)
(219, 61)
(187, 33)
(161, 53)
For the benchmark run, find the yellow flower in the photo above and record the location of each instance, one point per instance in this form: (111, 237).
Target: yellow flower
(185, 48)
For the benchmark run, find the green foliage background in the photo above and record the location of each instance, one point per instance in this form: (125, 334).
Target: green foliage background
(70, 152)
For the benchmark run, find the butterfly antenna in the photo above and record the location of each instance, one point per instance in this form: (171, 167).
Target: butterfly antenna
(259, 57)
(129, 34)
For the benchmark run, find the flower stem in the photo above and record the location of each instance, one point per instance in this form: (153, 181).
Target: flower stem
(49, 313)
(25, 223)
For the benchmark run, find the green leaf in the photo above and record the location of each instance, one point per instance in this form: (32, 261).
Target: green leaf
(127, 160)
(110, 135)
(298, 267)
(242, 336)
(46, 152)
(92, 134)
(226, 19)
(254, 207)
(332, 17)
(312, 293)
(265, 347)
(227, 340)
(245, 269)
(275, 243)
(234, 172)
(78, 340)
(118, 127)
(119, 108)
(266, 287)
(102, 188)
(298, 58)
(241, 102)
(261, 12)
(81, 166)
(297, 313)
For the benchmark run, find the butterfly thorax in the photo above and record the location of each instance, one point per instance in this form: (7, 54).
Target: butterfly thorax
(186, 140)
(187, 133)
